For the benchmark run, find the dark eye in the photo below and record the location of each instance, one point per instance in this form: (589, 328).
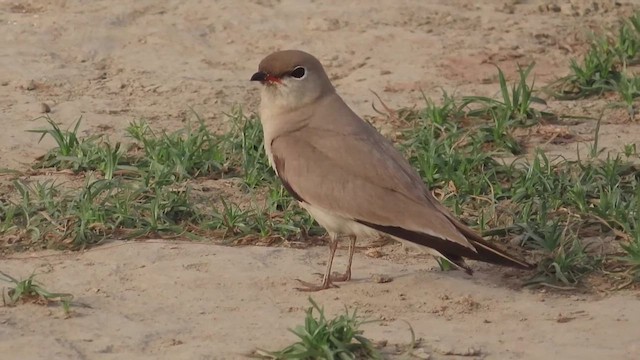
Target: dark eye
(298, 72)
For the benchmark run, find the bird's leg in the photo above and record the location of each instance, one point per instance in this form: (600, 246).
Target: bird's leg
(347, 275)
(326, 279)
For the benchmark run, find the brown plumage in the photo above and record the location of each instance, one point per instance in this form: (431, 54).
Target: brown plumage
(351, 179)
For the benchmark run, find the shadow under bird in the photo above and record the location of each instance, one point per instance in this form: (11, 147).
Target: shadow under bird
(348, 176)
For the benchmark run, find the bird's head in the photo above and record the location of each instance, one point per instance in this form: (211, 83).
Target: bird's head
(292, 79)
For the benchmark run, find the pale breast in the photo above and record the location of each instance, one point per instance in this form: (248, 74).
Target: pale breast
(269, 129)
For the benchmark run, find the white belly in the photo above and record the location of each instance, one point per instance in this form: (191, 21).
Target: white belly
(340, 226)
(337, 225)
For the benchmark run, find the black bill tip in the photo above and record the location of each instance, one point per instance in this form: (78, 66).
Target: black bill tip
(259, 76)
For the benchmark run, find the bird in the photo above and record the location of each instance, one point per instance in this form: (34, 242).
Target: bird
(348, 176)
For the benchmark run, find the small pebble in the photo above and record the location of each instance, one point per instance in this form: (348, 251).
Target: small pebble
(44, 108)
(31, 85)
(373, 253)
(421, 354)
(450, 350)
(382, 343)
(381, 278)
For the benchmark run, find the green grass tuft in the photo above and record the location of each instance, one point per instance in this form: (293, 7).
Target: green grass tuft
(606, 67)
(28, 290)
(328, 339)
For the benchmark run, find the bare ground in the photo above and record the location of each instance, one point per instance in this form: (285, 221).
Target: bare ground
(113, 62)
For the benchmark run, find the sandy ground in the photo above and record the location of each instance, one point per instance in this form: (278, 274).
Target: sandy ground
(113, 62)
(194, 301)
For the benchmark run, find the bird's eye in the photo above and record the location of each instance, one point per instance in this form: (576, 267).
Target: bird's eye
(299, 72)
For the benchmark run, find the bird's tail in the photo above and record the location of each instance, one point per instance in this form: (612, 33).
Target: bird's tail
(486, 252)
(489, 253)
(453, 251)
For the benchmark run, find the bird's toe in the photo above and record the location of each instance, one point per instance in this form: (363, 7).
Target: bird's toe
(309, 287)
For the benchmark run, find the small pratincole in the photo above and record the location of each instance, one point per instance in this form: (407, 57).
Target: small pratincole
(348, 176)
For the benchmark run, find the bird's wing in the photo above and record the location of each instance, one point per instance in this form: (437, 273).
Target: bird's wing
(354, 172)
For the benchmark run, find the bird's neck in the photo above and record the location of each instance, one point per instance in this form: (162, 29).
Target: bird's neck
(277, 120)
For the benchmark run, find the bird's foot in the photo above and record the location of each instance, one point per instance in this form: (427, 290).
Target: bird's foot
(309, 287)
(337, 277)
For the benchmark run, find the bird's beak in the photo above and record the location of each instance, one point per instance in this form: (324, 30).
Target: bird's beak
(260, 76)
(263, 77)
